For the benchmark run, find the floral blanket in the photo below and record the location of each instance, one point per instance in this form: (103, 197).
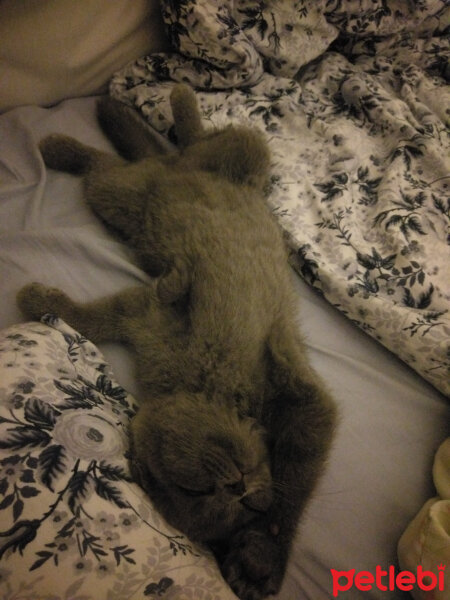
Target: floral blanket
(353, 98)
(67, 502)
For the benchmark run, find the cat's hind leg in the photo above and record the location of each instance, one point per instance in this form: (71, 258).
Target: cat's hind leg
(132, 137)
(64, 153)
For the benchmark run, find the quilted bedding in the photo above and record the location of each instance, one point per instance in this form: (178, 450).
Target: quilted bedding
(67, 498)
(354, 100)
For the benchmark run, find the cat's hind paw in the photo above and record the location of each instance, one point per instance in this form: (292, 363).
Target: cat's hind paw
(35, 300)
(63, 153)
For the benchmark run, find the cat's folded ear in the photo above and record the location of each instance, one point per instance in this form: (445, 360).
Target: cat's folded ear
(139, 471)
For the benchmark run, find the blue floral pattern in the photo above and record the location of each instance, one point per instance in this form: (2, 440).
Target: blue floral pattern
(66, 497)
(354, 101)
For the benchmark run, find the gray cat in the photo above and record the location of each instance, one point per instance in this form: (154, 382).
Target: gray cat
(234, 426)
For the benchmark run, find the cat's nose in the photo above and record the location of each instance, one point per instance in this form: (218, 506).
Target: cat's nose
(237, 488)
(259, 500)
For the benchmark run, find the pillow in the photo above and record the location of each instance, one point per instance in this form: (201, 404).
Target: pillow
(56, 49)
(66, 497)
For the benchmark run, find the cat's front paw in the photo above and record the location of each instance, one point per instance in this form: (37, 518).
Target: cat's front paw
(255, 564)
(35, 300)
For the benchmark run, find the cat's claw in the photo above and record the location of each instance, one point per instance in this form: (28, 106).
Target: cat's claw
(253, 567)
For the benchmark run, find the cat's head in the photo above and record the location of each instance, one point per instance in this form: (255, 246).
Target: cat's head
(205, 467)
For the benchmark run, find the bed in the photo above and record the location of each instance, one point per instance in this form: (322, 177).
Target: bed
(354, 100)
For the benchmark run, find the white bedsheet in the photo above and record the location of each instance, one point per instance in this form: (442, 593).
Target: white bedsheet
(391, 423)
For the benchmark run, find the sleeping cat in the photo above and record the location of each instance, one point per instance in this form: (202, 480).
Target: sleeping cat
(234, 425)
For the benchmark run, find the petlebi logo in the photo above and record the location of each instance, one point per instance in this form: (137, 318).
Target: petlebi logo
(387, 580)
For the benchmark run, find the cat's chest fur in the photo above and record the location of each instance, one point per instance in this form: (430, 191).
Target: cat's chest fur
(238, 289)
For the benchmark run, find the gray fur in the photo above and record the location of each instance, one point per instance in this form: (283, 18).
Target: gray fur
(235, 426)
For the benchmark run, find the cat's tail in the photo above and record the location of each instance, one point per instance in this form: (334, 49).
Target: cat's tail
(186, 115)
(132, 137)
(240, 154)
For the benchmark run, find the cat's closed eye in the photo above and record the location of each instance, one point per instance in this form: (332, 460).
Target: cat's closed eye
(196, 493)
(237, 488)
